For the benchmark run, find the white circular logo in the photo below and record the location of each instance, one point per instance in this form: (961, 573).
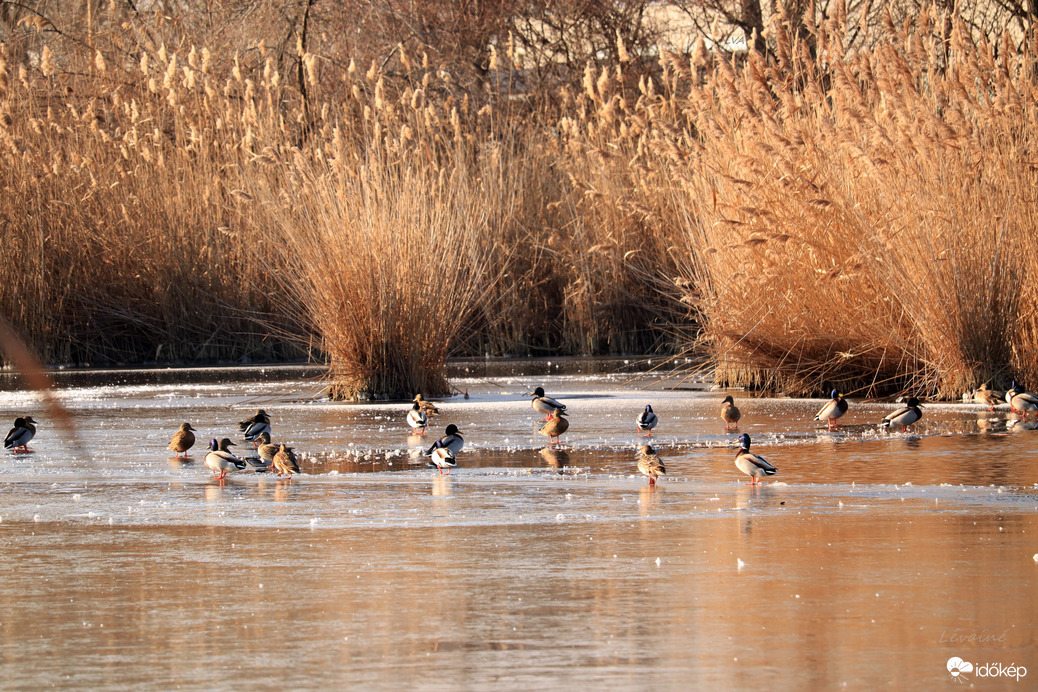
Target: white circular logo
(956, 666)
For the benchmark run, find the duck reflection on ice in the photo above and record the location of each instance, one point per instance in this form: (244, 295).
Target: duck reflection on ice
(751, 498)
(555, 458)
(177, 463)
(648, 495)
(282, 489)
(442, 486)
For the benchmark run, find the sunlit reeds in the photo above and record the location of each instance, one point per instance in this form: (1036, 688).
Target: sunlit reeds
(823, 217)
(857, 219)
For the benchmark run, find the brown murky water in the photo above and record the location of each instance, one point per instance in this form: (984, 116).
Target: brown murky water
(868, 562)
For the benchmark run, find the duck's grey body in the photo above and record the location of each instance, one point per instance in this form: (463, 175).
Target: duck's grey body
(904, 416)
(220, 460)
(833, 409)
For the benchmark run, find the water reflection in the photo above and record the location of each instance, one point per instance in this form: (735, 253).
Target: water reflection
(178, 463)
(648, 495)
(282, 489)
(442, 486)
(555, 458)
(214, 490)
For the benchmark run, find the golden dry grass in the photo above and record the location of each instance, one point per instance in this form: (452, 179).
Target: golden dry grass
(829, 218)
(854, 220)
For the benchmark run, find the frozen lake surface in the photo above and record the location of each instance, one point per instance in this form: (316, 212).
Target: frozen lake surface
(869, 561)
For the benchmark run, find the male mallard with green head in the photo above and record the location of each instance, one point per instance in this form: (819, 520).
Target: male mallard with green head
(753, 465)
(21, 434)
(1021, 401)
(647, 421)
(545, 404)
(833, 409)
(220, 460)
(904, 416)
(417, 419)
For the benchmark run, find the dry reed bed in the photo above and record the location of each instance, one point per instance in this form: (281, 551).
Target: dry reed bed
(121, 211)
(858, 220)
(180, 209)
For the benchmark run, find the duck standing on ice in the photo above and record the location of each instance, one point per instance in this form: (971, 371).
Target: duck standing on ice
(833, 409)
(1021, 401)
(451, 440)
(647, 421)
(23, 431)
(545, 404)
(220, 460)
(649, 463)
(730, 413)
(904, 416)
(555, 426)
(442, 458)
(417, 419)
(753, 465)
(427, 407)
(183, 440)
(253, 427)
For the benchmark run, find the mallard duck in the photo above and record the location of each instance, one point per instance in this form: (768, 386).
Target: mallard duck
(417, 419)
(555, 426)
(442, 458)
(1011, 392)
(182, 440)
(649, 464)
(261, 415)
(451, 440)
(904, 416)
(545, 404)
(647, 421)
(285, 461)
(252, 428)
(23, 431)
(265, 448)
(428, 408)
(985, 396)
(730, 413)
(753, 465)
(220, 459)
(1021, 401)
(833, 409)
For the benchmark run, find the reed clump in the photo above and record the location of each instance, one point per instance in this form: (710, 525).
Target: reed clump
(852, 219)
(388, 264)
